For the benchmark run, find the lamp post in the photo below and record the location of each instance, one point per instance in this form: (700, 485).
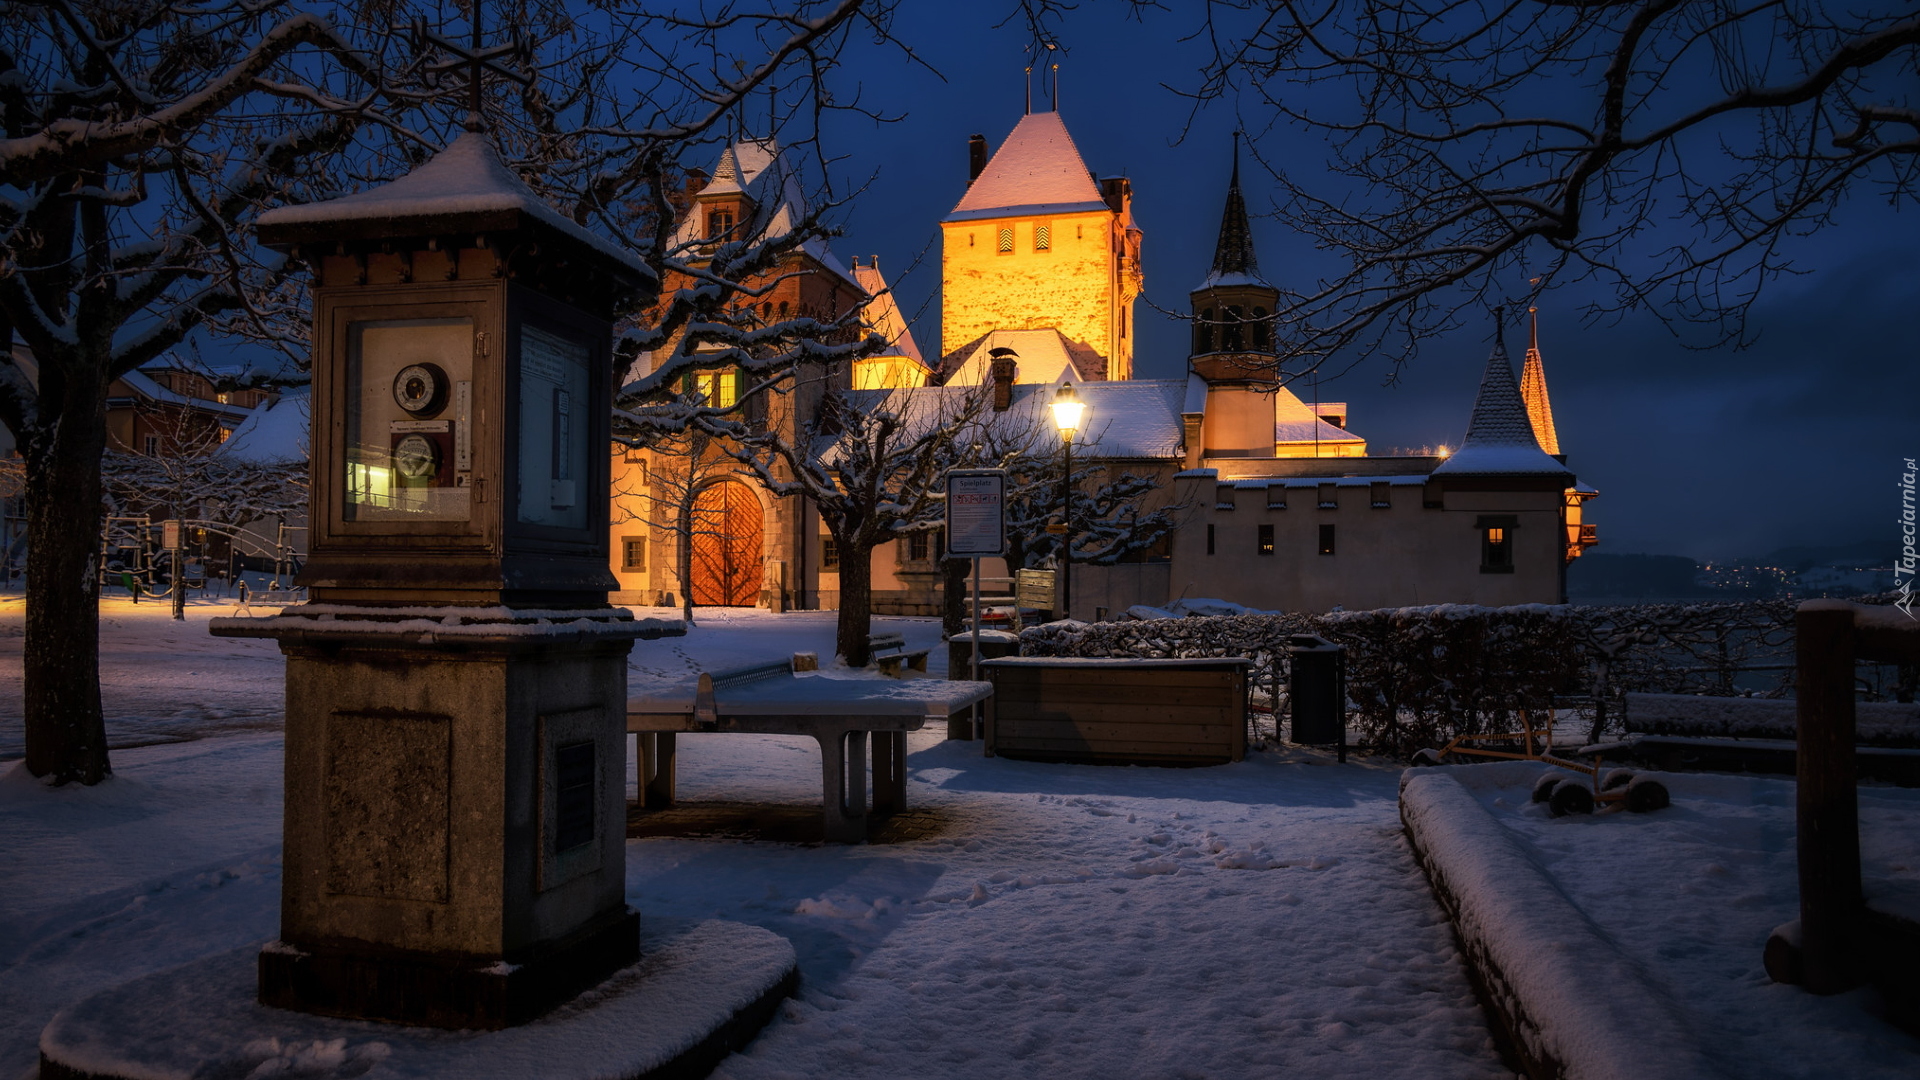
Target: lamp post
(1068, 410)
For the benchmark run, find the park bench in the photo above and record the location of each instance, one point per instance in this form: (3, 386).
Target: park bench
(1681, 732)
(891, 655)
(842, 715)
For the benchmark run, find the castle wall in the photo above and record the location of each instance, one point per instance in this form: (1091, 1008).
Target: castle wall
(1403, 554)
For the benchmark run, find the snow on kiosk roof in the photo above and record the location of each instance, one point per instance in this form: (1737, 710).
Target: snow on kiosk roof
(464, 189)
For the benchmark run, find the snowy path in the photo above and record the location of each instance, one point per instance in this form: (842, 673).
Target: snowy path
(1253, 920)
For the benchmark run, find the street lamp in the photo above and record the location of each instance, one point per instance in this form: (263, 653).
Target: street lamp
(1068, 410)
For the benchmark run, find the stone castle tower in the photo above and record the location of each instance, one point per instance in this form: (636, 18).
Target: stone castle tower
(1036, 243)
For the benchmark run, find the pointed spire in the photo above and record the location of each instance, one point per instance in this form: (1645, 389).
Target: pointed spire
(1233, 254)
(1500, 439)
(1533, 389)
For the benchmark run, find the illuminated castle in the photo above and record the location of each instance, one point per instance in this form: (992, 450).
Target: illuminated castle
(1036, 244)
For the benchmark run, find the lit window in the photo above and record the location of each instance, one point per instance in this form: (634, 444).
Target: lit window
(223, 398)
(718, 389)
(633, 554)
(1326, 539)
(1043, 238)
(1266, 540)
(1496, 543)
(1006, 239)
(226, 433)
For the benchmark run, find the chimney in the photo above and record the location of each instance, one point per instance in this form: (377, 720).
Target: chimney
(1117, 191)
(976, 158)
(1004, 367)
(696, 182)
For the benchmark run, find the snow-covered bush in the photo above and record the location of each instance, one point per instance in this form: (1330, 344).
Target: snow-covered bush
(1419, 676)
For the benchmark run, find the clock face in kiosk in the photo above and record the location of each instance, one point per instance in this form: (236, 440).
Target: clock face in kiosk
(409, 454)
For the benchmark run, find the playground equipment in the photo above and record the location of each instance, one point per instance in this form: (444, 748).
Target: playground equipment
(1617, 788)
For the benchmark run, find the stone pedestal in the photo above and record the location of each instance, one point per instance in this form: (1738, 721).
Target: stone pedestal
(455, 812)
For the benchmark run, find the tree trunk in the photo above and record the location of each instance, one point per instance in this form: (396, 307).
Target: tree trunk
(856, 603)
(66, 733)
(953, 595)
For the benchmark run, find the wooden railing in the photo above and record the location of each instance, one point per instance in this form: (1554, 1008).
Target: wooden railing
(1827, 953)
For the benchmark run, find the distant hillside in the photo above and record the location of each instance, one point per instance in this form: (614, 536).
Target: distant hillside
(1653, 577)
(1804, 557)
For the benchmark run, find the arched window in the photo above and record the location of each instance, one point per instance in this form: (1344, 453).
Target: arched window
(1231, 334)
(1203, 332)
(1262, 331)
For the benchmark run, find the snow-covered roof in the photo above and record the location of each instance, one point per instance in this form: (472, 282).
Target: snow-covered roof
(275, 432)
(1138, 418)
(1295, 422)
(756, 170)
(147, 387)
(1044, 354)
(1037, 170)
(466, 181)
(1500, 439)
(1196, 394)
(882, 313)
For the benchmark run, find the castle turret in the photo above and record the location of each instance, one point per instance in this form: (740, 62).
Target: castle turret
(1533, 389)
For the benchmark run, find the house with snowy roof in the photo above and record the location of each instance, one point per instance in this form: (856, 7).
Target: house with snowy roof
(746, 543)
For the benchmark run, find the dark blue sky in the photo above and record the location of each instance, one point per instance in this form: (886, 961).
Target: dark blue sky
(1720, 454)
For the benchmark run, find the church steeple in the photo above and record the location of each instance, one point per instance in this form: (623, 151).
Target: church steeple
(1533, 389)
(1500, 439)
(1233, 308)
(1233, 252)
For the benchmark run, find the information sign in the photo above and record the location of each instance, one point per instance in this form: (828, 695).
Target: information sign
(976, 512)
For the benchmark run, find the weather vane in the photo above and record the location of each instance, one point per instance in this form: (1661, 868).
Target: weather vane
(477, 60)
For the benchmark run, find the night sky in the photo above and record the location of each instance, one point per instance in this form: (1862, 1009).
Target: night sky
(1711, 454)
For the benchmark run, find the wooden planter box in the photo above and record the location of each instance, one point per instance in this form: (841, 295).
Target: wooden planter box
(1118, 712)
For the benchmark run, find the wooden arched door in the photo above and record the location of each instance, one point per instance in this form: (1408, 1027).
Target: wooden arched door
(727, 531)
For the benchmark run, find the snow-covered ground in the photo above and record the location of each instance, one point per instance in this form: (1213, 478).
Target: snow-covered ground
(1254, 920)
(1688, 895)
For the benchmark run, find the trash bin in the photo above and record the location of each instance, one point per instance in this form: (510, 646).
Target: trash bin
(1318, 690)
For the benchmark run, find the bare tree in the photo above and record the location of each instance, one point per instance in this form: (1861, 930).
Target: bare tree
(1669, 150)
(137, 141)
(875, 471)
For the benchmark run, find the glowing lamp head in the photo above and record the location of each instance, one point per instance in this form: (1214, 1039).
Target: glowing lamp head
(1068, 410)
(1445, 452)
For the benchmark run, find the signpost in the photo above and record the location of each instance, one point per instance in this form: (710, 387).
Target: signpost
(1035, 589)
(170, 533)
(976, 527)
